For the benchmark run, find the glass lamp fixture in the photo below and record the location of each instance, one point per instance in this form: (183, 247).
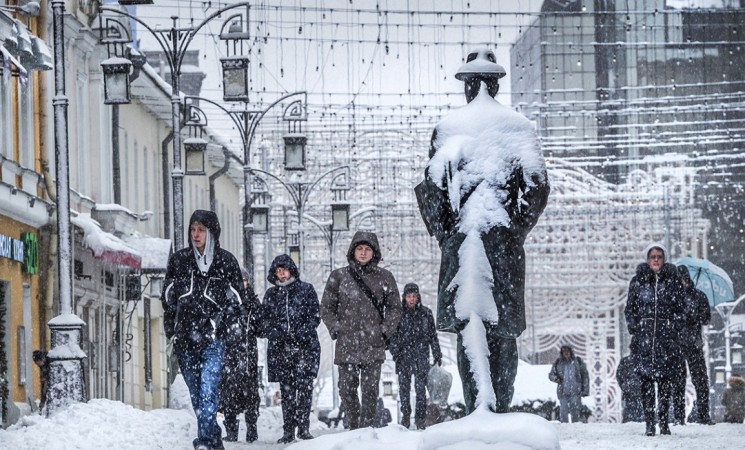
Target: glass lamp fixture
(116, 80)
(235, 78)
(295, 151)
(195, 149)
(260, 215)
(340, 216)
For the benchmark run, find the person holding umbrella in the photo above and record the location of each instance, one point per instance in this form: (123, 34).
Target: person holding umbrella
(697, 314)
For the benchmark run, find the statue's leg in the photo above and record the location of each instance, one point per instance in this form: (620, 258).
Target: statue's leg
(503, 366)
(469, 384)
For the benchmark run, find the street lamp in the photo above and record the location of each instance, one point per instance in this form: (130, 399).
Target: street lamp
(299, 194)
(246, 121)
(66, 382)
(174, 42)
(116, 80)
(725, 310)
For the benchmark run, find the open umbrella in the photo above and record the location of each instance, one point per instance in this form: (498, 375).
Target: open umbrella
(709, 278)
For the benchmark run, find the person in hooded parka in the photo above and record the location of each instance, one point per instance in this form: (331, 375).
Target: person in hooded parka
(410, 347)
(361, 308)
(697, 314)
(570, 373)
(239, 387)
(654, 315)
(203, 298)
(290, 315)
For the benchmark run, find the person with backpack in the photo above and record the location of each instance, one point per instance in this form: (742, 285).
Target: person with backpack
(361, 307)
(569, 372)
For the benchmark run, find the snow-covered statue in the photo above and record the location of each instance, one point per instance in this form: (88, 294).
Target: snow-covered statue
(485, 187)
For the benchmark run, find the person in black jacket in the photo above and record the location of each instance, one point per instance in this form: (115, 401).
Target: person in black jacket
(654, 314)
(239, 387)
(697, 314)
(203, 301)
(410, 347)
(290, 315)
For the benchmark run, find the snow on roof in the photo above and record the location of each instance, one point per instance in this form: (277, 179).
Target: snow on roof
(105, 245)
(155, 251)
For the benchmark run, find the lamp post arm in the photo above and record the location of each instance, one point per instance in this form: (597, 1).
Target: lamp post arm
(175, 53)
(290, 190)
(234, 115)
(317, 180)
(257, 118)
(323, 226)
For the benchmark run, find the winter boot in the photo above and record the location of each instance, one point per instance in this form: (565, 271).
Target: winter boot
(420, 425)
(650, 429)
(304, 434)
(405, 422)
(286, 438)
(251, 433)
(664, 428)
(231, 431)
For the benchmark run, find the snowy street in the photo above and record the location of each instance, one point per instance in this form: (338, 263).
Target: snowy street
(106, 424)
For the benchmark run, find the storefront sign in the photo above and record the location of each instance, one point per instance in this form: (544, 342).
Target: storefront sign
(24, 250)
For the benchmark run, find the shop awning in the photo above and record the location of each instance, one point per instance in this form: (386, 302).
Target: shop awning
(105, 246)
(9, 62)
(155, 251)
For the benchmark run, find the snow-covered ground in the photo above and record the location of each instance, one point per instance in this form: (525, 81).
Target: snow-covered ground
(106, 424)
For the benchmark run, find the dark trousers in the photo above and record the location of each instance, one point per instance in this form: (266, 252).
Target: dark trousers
(297, 398)
(503, 368)
(664, 394)
(420, 388)
(361, 414)
(700, 379)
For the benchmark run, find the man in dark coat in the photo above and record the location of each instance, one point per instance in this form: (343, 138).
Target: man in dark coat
(484, 189)
(290, 315)
(203, 299)
(697, 313)
(654, 315)
(631, 388)
(361, 308)
(573, 383)
(410, 347)
(239, 387)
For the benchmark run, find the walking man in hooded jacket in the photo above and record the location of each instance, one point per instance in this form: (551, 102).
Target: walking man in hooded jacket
(570, 373)
(410, 347)
(203, 299)
(654, 315)
(696, 314)
(361, 308)
(290, 315)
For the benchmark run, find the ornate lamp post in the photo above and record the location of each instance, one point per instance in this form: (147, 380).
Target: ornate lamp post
(174, 42)
(299, 193)
(65, 357)
(246, 121)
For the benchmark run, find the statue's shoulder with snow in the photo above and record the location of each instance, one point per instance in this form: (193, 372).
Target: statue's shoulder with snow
(485, 187)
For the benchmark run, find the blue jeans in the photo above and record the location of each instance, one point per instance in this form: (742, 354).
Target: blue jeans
(202, 371)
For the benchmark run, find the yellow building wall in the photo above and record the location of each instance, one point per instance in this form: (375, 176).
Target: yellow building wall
(12, 273)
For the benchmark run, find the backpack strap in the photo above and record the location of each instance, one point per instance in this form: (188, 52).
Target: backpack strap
(367, 291)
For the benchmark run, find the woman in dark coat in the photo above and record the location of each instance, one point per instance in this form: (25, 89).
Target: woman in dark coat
(239, 387)
(654, 314)
(290, 316)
